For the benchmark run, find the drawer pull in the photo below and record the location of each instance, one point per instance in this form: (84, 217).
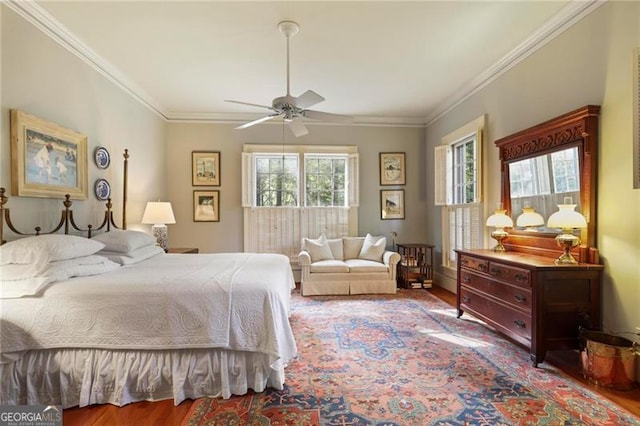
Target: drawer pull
(466, 299)
(521, 278)
(482, 267)
(520, 323)
(464, 261)
(496, 271)
(466, 279)
(520, 298)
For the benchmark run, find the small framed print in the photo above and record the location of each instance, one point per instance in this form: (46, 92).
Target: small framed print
(392, 204)
(102, 189)
(205, 168)
(102, 157)
(392, 168)
(206, 206)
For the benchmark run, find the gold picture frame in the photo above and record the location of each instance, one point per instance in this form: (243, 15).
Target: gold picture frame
(206, 206)
(392, 168)
(205, 168)
(47, 160)
(391, 204)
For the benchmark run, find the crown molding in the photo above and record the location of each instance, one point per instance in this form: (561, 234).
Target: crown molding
(561, 21)
(41, 19)
(239, 118)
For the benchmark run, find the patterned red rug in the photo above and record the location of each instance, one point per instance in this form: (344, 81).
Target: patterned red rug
(406, 359)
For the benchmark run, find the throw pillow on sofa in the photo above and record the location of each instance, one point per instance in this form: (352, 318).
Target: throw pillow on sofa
(318, 249)
(373, 248)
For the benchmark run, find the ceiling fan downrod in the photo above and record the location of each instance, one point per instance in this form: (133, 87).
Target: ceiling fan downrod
(289, 29)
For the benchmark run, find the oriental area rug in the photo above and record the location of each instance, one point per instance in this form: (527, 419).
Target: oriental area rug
(405, 359)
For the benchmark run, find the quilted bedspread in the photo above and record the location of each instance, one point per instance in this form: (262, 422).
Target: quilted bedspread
(237, 301)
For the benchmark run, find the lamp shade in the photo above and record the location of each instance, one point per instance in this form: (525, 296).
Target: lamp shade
(158, 212)
(499, 220)
(566, 218)
(529, 218)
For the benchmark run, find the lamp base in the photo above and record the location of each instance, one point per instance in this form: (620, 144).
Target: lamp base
(567, 242)
(499, 235)
(160, 232)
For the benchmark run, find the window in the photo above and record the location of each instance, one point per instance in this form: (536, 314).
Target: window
(276, 180)
(458, 189)
(325, 178)
(302, 192)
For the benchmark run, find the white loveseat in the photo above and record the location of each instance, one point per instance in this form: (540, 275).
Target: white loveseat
(347, 265)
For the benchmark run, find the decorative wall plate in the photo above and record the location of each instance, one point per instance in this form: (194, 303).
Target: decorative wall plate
(102, 189)
(102, 157)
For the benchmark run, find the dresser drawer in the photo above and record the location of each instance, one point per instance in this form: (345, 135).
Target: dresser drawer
(510, 274)
(508, 319)
(474, 263)
(513, 295)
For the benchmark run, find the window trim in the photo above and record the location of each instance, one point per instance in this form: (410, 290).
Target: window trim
(443, 190)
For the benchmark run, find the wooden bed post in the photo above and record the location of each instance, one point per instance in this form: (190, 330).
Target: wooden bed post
(3, 200)
(124, 196)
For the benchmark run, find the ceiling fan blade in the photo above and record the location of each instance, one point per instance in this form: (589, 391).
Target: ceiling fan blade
(326, 116)
(308, 98)
(247, 103)
(259, 120)
(297, 127)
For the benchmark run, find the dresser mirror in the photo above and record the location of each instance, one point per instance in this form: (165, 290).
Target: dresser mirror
(541, 183)
(549, 164)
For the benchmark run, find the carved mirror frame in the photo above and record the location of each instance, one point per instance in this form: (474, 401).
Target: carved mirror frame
(577, 128)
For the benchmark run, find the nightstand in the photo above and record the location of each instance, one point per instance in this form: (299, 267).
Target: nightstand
(183, 250)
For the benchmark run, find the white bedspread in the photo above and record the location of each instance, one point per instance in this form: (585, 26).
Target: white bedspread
(236, 301)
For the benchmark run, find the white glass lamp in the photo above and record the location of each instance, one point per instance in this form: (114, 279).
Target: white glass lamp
(529, 219)
(567, 219)
(499, 220)
(159, 214)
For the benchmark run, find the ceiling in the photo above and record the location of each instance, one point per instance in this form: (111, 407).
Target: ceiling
(392, 62)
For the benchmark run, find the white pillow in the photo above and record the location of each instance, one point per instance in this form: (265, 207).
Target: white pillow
(25, 287)
(373, 248)
(336, 248)
(318, 249)
(53, 246)
(352, 247)
(124, 241)
(134, 256)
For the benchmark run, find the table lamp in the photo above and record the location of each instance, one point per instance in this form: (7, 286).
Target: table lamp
(159, 214)
(567, 219)
(530, 219)
(499, 220)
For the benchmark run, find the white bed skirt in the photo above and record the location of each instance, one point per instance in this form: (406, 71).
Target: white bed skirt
(82, 377)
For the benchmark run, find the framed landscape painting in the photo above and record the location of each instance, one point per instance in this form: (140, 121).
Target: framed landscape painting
(206, 206)
(392, 168)
(205, 168)
(47, 160)
(392, 204)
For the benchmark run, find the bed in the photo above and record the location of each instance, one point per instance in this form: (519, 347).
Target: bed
(109, 326)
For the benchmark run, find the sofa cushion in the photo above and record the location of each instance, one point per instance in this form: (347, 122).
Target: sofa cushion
(318, 249)
(352, 246)
(336, 248)
(373, 248)
(328, 266)
(362, 265)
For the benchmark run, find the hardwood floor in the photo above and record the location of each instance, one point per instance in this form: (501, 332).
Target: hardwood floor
(165, 413)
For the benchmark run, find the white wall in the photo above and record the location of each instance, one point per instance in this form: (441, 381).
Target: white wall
(227, 235)
(42, 78)
(591, 63)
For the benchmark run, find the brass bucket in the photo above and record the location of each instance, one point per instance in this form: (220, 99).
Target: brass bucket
(607, 361)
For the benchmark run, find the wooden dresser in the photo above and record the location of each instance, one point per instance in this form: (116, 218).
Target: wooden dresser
(529, 298)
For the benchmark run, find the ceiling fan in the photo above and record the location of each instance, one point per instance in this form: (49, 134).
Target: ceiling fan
(293, 109)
